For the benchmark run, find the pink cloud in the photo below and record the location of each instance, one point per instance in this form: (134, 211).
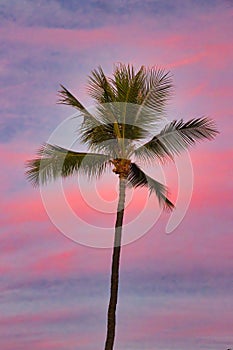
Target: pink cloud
(66, 38)
(70, 260)
(207, 45)
(44, 317)
(188, 60)
(62, 262)
(31, 211)
(46, 340)
(12, 155)
(4, 269)
(178, 319)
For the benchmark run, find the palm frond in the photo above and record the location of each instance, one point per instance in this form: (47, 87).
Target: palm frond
(118, 112)
(176, 137)
(156, 89)
(54, 161)
(105, 132)
(130, 96)
(137, 178)
(101, 138)
(128, 83)
(66, 98)
(149, 90)
(99, 87)
(104, 138)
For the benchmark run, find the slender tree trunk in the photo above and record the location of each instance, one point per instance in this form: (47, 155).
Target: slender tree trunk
(115, 268)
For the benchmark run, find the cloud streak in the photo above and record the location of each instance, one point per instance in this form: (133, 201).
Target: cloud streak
(175, 290)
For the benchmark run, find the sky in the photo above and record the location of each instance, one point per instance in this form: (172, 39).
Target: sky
(175, 289)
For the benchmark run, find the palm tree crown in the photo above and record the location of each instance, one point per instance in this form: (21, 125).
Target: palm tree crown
(128, 106)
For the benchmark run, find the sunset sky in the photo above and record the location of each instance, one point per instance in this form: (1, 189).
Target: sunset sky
(175, 289)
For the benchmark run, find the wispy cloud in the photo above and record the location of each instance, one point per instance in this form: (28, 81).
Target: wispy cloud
(177, 288)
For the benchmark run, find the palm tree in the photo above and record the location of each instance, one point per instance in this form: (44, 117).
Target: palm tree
(121, 131)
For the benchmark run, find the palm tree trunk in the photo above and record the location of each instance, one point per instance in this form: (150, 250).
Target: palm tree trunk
(115, 268)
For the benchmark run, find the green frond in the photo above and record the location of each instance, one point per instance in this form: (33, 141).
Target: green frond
(111, 138)
(128, 83)
(105, 132)
(99, 87)
(115, 121)
(137, 178)
(101, 138)
(130, 96)
(145, 94)
(53, 161)
(66, 98)
(158, 89)
(176, 137)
